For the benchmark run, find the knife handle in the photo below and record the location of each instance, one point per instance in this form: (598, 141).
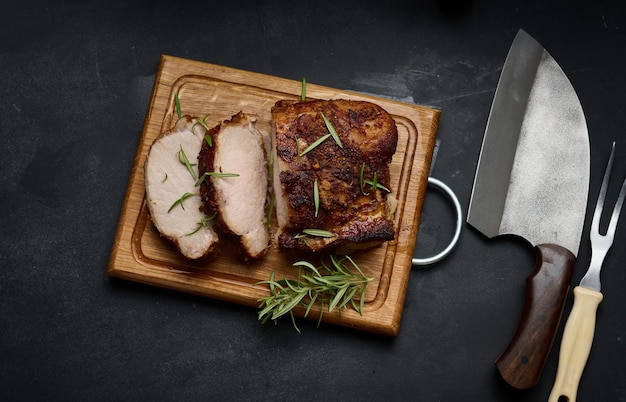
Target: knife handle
(576, 343)
(523, 360)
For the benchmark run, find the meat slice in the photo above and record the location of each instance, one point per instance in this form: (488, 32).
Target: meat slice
(239, 201)
(353, 211)
(173, 199)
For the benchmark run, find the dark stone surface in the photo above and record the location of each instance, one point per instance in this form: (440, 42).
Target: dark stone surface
(76, 81)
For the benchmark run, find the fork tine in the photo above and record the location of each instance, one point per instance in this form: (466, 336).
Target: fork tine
(601, 243)
(617, 210)
(610, 232)
(597, 214)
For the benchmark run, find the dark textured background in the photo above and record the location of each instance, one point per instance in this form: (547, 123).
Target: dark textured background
(76, 80)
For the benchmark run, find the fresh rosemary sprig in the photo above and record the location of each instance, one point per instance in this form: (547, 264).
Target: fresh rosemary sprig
(336, 285)
(180, 201)
(182, 157)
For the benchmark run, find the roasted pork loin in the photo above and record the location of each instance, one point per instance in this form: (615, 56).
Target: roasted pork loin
(353, 206)
(172, 197)
(235, 185)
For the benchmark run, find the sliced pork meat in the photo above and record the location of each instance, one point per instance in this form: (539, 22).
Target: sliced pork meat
(332, 191)
(174, 201)
(235, 186)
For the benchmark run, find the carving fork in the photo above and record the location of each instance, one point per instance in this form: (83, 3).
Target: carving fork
(580, 326)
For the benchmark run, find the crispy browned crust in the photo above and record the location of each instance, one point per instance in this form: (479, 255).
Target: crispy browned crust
(206, 160)
(369, 135)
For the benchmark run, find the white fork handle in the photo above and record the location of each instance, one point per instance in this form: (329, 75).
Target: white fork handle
(576, 343)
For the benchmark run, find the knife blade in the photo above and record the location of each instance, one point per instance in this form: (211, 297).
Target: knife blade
(532, 181)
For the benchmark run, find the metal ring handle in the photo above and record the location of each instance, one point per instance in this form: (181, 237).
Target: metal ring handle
(459, 223)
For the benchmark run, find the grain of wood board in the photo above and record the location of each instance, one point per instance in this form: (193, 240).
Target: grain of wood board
(140, 254)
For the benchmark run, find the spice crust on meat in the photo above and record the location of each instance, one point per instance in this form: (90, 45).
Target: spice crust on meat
(341, 185)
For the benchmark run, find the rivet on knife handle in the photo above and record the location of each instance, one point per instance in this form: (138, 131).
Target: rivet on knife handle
(523, 360)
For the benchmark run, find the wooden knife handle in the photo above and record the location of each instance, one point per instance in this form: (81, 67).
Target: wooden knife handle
(523, 360)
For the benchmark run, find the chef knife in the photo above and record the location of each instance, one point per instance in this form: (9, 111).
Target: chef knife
(532, 181)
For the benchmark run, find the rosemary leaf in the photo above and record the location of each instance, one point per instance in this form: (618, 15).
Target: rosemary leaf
(270, 306)
(337, 298)
(182, 157)
(326, 281)
(214, 174)
(290, 285)
(293, 322)
(331, 130)
(203, 222)
(270, 210)
(319, 320)
(202, 123)
(338, 264)
(315, 144)
(293, 302)
(220, 174)
(180, 201)
(347, 257)
(318, 232)
(362, 301)
(295, 137)
(316, 197)
(303, 90)
(305, 264)
(196, 230)
(164, 178)
(179, 113)
(361, 179)
(312, 298)
(302, 237)
(374, 183)
(272, 285)
(349, 296)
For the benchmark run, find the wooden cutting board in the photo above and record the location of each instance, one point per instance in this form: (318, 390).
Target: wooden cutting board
(140, 254)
